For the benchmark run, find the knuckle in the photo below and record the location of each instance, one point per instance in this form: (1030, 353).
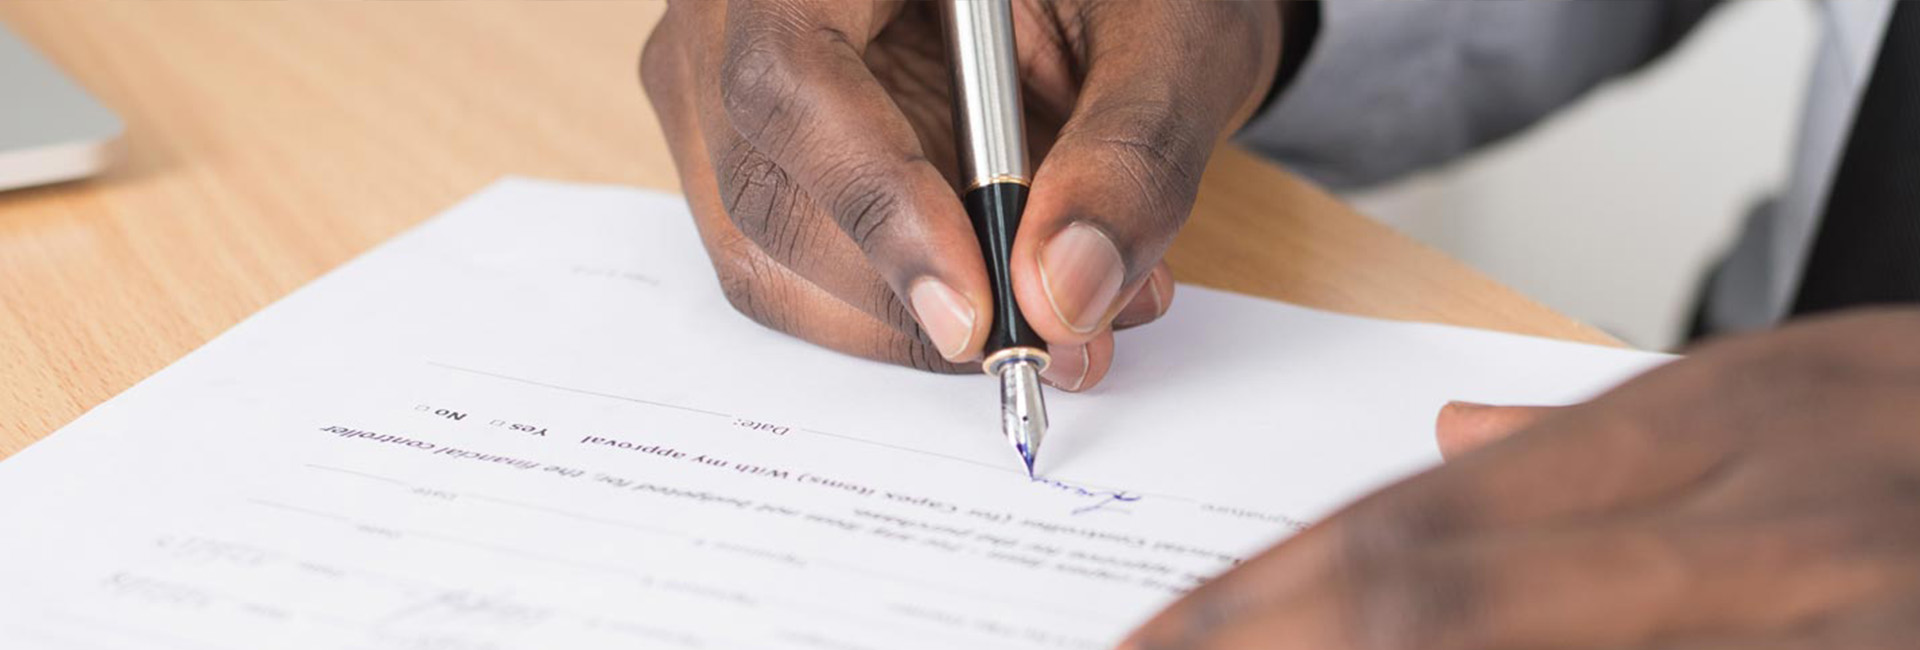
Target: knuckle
(862, 200)
(759, 197)
(771, 77)
(1153, 149)
(1403, 595)
(759, 83)
(1414, 601)
(767, 205)
(1399, 522)
(1157, 127)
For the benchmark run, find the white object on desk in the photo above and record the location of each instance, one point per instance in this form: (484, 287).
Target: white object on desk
(534, 422)
(51, 130)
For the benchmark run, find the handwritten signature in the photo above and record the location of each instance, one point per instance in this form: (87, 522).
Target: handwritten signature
(1103, 498)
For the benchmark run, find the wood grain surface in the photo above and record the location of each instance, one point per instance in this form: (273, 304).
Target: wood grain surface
(269, 142)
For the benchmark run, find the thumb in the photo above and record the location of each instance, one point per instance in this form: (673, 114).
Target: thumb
(1465, 426)
(1164, 83)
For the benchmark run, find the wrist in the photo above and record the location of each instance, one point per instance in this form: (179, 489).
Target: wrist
(1299, 28)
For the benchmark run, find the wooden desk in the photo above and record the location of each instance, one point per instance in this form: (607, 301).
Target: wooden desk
(268, 142)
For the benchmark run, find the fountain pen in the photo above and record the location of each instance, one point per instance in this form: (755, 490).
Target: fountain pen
(991, 141)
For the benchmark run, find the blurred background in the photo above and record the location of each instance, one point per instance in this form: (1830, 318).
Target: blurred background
(1611, 210)
(1608, 211)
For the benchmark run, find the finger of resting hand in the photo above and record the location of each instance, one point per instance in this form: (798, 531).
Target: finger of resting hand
(1649, 437)
(1618, 584)
(1892, 624)
(1592, 459)
(1465, 426)
(1213, 614)
(1638, 443)
(1576, 463)
(795, 86)
(1509, 484)
(1792, 640)
(1621, 584)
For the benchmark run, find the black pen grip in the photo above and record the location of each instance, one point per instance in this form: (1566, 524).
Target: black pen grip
(995, 211)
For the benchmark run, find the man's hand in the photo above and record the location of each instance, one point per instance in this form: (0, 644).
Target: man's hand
(814, 142)
(1763, 494)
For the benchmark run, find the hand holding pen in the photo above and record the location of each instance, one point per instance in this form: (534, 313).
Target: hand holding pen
(815, 144)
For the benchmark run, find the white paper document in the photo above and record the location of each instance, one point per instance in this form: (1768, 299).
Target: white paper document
(534, 422)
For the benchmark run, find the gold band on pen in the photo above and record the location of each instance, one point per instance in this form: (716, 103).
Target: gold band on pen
(995, 180)
(991, 365)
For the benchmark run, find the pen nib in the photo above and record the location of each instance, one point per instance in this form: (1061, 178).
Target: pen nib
(1023, 412)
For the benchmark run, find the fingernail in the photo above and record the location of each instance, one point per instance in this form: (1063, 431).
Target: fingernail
(1068, 370)
(1082, 272)
(946, 316)
(1146, 305)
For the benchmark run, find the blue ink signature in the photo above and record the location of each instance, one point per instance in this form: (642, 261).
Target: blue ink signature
(1105, 497)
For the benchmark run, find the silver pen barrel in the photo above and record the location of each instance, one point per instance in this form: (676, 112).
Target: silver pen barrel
(991, 140)
(988, 125)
